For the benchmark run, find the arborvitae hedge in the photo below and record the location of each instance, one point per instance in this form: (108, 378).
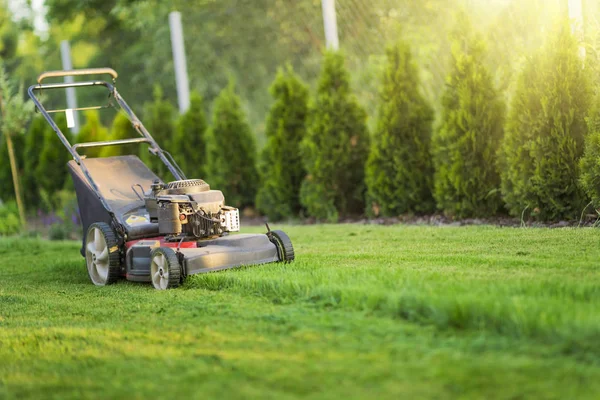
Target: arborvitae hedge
(336, 146)
(281, 167)
(399, 172)
(189, 143)
(159, 121)
(51, 172)
(92, 131)
(545, 133)
(34, 146)
(231, 151)
(121, 128)
(466, 181)
(589, 164)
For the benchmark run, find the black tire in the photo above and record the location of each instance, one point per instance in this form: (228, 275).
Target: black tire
(165, 269)
(285, 249)
(102, 255)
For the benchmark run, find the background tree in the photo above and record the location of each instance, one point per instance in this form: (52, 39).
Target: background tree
(281, 167)
(121, 128)
(231, 151)
(159, 121)
(189, 142)
(589, 164)
(92, 131)
(51, 172)
(545, 133)
(15, 113)
(466, 181)
(399, 172)
(336, 146)
(32, 150)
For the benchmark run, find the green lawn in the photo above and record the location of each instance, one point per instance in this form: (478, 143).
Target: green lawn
(365, 312)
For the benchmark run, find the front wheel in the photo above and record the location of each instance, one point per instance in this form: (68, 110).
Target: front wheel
(102, 254)
(285, 250)
(165, 269)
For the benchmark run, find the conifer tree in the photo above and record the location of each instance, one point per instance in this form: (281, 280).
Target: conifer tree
(281, 167)
(231, 151)
(34, 145)
(399, 172)
(121, 128)
(466, 180)
(92, 131)
(336, 146)
(546, 131)
(159, 121)
(589, 164)
(51, 172)
(189, 142)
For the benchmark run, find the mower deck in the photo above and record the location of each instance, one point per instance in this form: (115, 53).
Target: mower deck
(202, 256)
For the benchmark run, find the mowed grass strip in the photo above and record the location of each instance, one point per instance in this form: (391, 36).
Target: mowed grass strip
(536, 283)
(365, 312)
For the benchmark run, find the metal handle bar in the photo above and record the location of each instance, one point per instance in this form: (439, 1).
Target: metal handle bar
(119, 142)
(78, 72)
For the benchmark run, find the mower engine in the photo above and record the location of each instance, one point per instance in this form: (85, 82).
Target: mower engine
(190, 209)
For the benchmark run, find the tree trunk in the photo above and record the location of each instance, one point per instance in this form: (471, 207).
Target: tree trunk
(15, 175)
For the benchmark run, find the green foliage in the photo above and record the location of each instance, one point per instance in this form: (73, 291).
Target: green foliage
(399, 173)
(189, 142)
(589, 164)
(7, 191)
(545, 133)
(51, 173)
(281, 167)
(336, 146)
(15, 113)
(159, 121)
(231, 151)
(34, 146)
(466, 180)
(9, 219)
(121, 128)
(92, 131)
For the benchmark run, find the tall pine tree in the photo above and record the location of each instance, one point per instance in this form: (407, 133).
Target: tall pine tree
(34, 145)
(159, 121)
(466, 180)
(546, 131)
(399, 172)
(336, 146)
(51, 171)
(231, 151)
(281, 167)
(189, 142)
(92, 131)
(121, 128)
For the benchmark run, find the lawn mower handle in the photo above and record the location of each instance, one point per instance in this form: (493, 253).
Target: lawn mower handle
(78, 72)
(135, 122)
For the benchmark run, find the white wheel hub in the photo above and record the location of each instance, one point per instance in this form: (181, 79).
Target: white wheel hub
(159, 270)
(96, 256)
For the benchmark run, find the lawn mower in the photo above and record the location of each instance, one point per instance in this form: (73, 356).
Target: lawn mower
(139, 227)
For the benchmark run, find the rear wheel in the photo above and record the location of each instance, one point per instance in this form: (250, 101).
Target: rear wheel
(165, 269)
(284, 246)
(102, 254)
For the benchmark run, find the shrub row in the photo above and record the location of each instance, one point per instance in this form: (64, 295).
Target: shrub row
(540, 158)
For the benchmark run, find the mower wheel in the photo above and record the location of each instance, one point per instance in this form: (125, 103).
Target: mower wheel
(102, 254)
(165, 269)
(284, 246)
